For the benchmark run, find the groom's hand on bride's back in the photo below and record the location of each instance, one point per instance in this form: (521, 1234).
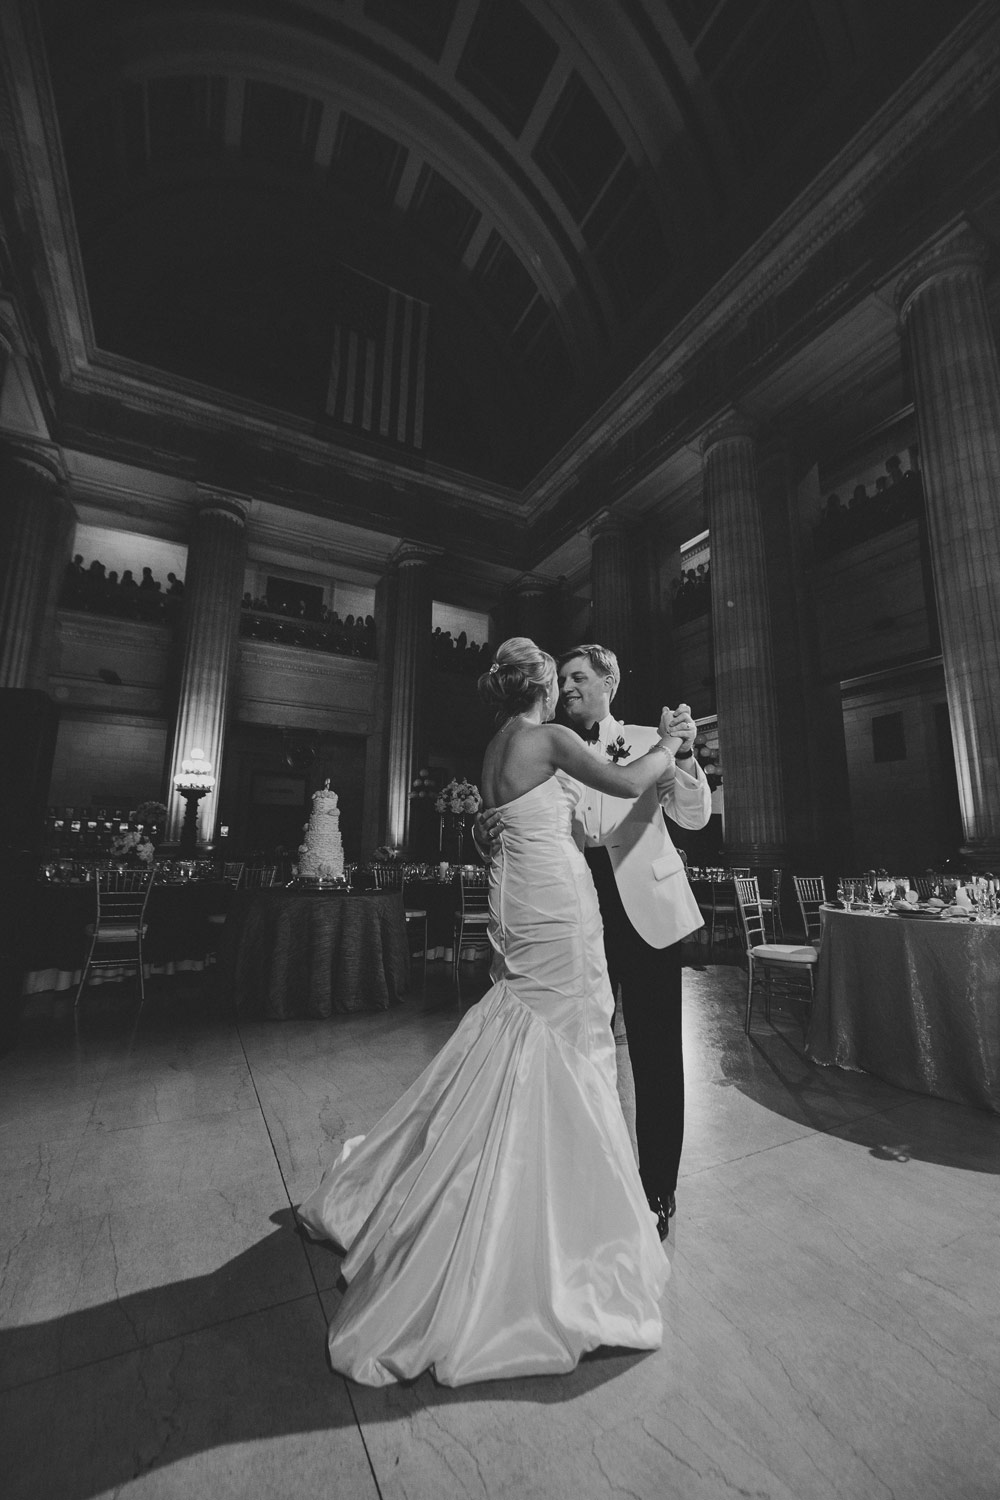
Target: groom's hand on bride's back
(487, 827)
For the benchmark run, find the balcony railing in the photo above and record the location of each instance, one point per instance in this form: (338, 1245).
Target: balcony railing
(348, 637)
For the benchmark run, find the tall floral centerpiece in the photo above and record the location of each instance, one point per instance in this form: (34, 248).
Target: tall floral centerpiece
(138, 845)
(150, 816)
(458, 804)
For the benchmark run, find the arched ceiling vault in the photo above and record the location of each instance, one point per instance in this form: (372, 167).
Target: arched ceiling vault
(441, 232)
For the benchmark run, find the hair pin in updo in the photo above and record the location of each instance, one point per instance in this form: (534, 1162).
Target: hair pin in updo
(494, 668)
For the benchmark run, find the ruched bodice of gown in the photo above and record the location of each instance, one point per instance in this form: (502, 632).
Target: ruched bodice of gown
(493, 1219)
(546, 924)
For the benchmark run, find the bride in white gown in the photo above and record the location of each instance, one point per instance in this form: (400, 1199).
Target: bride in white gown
(494, 1220)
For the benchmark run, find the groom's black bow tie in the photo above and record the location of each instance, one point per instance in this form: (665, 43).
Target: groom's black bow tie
(591, 735)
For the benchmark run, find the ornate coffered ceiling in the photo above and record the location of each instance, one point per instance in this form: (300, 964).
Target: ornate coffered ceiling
(426, 246)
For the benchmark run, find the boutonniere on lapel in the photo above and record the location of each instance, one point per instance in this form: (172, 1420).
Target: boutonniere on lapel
(618, 750)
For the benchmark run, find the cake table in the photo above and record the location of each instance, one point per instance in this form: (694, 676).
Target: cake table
(285, 953)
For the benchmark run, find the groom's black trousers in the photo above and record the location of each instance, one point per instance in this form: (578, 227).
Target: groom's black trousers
(650, 982)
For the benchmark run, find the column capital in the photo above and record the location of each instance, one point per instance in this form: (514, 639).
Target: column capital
(732, 424)
(960, 248)
(414, 555)
(43, 461)
(209, 500)
(606, 523)
(531, 584)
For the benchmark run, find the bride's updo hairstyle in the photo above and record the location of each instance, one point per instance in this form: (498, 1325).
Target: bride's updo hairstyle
(521, 674)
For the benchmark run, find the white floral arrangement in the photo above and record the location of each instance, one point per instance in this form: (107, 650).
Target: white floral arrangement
(134, 842)
(459, 797)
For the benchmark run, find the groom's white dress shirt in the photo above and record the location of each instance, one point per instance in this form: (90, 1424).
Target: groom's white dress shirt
(648, 870)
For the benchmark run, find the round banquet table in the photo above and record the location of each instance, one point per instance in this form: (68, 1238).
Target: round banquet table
(289, 953)
(915, 1002)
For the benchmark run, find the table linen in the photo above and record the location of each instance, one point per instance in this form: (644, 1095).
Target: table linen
(916, 1003)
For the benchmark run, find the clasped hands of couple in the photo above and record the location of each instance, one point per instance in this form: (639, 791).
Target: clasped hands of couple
(677, 731)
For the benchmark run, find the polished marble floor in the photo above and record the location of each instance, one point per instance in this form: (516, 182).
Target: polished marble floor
(833, 1316)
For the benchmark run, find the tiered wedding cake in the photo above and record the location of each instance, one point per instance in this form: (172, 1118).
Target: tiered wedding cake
(321, 857)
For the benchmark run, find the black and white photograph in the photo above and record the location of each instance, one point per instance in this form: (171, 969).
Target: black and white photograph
(500, 749)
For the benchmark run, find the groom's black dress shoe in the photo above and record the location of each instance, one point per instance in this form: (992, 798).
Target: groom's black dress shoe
(664, 1206)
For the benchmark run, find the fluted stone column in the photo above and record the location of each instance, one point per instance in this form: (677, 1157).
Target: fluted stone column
(665, 669)
(213, 588)
(410, 645)
(956, 378)
(529, 610)
(744, 673)
(562, 615)
(35, 519)
(611, 591)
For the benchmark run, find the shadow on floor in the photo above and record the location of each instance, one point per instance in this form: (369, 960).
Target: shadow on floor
(245, 1379)
(770, 1067)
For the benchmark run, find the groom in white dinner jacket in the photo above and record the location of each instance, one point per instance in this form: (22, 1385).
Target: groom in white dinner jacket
(647, 906)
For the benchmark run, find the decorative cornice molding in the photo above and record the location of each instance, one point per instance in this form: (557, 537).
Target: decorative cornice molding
(97, 713)
(205, 409)
(274, 536)
(171, 513)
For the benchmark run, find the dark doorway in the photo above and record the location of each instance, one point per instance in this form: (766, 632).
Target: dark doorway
(277, 811)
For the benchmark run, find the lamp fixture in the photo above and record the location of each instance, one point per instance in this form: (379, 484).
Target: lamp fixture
(193, 781)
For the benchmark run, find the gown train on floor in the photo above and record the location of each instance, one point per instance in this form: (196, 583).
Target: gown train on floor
(493, 1219)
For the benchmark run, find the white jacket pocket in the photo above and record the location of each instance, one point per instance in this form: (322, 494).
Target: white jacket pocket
(667, 864)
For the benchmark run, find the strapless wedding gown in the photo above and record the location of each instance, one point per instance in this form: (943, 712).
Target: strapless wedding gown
(494, 1220)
